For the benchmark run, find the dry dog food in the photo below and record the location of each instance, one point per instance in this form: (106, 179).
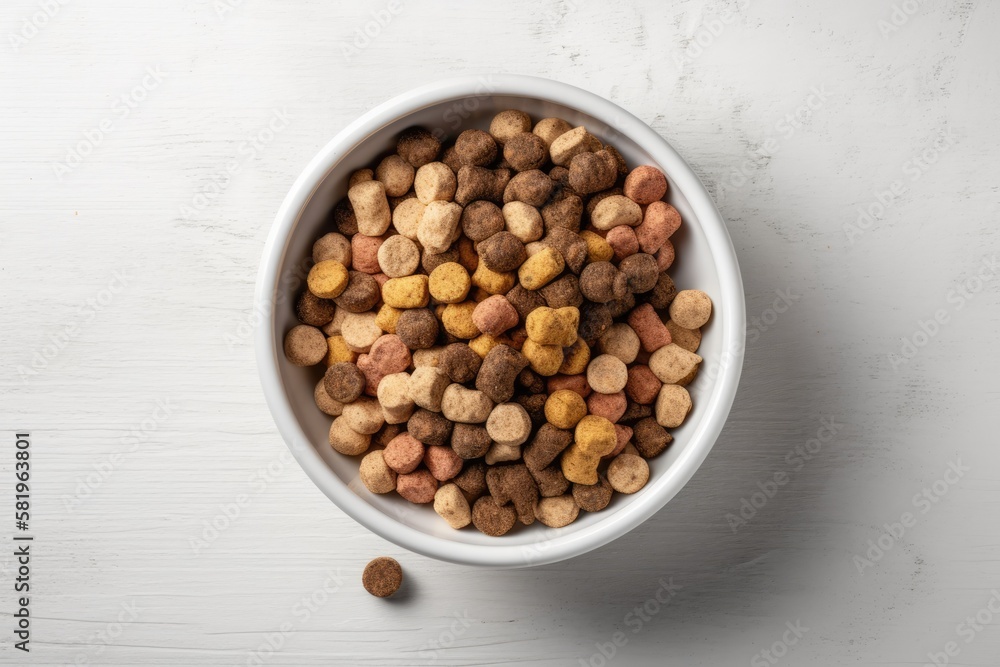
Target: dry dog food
(500, 334)
(382, 577)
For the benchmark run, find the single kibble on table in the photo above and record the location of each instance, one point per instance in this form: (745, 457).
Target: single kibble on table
(491, 518)
(395, 174)
(509, 123)
(533, 187)
(305, 345)
(557, 512)
(564, 409)
(382, 577)
(672, 406)
(691, 309)
(645, 185)
(451, 505)
(418, 486)
(593, 497)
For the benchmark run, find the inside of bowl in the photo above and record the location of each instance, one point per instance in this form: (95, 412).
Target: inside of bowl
(694, 269)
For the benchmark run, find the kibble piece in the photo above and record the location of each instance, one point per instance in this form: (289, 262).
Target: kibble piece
(343, 218)
(544, 359)
(481, 219)
(563, 292)
(689, 339)
(418, 486)
(403, 453)
(533, 187)
(470, 441)
(663, 294)
(570, 144)
(451, 505)
(344, 382)
(432, 260)
(406, 292)
(523, 221)
(492, 281)
(550, 481)
(550, 129)
(371, 208)
(491, 518)
(466, 406)
(593, 497)
(514, 483)
(557, 511)
(439, 225)
(476, 183)
(607, 374)
(347, 441)
(430, 428)
(360, 295)
(609, 406)
(621, 341)
(594, 437)
(575, 358)
(483, 343)
(395, 174)
(407, 216)
(364, 416)
(502, 252)
(549, 442)
(616, 210)
(598, 249)
(540, 269)
(337, 351)
(460, 363)
(382, 577)
(314, 311)
(524, 301)
(498, 453)
(628, 473)
(417, 146)
(564, 211)
(691, 309)
(417, 328)
(305, 345)
(659, 221)
(449, 283)
(494, 315)
(509, 123)
(645, 184)
(498, 373)
(328, 279)
(671, 363)
(592, 172)
(624, 436)
(595, 319)
(672, 406)
(398, 256)
(564, 409)
(651, 330)
(643, 386)
(509, 425)
(360, 176)
(476, 148)
(364, 250)
(553, 326)
(525, 151)
(442, 462)
(393, 393)
(360, 331)
(326, 404)
(640, 270)
(457, 320)
(375, 474)
(427, 385)
(602, 282)
(332, 246)
(569, 244)
(665, 256)
(472, 480)
(650, 438)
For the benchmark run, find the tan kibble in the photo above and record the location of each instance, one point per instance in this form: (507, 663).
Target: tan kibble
(449, 283)
(614, 211)
(553, 326)
(550, 129)
(375, 474)
(407, 216)
(499, 453)
(541, 268)
(363, 416)
(451, 505)
(690, 309)
(426, 387)
(371, 208)
(671, 363)
(523, 221)
(346, 440)
(576, 358)
(305, 345)
(332, 246)
(394, 396)
(360, 330)
(593, 438)
(570, 144)
(465, 406)
(607, 374)
(439, 226)
(323, 401)
(557, 511)
(628, 473)
(508, 123)
(565, 408)
(509, 424)
(672, 406)
(328, 279)
(435, 182)
(428, 357)
(395, 174)
(689, 339)
(398, 256)
(360, 176)
(620, 341)
(407, 292)
(544, 359)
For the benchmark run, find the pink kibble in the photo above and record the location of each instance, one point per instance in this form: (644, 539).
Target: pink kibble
(577, 383)
(494, 315)
(381, 279)
(373, 376)
(403, 453)
(442, 462)
(623, 434)
(643, 386)
(609, 406)
(665, 256)
(623, 241)
(390, 354)
(652, 332)
(645, 184)
(418, 487)
(364, 250)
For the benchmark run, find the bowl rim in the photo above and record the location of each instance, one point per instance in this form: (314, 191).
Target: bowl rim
(718, 402)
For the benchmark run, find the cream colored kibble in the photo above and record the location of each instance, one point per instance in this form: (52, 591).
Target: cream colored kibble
(360, 176)
(691, 308)
(334, 326)
(498, 453)
(672, 405)
(550, 129)
(371, 208)
(396, 174)
(346, 440)
(363, 415)
(398, 256)
(438, 226)
(607, 374)
(614, 211)
(509, 424)
(671, 363)
(426, 387)
(407, 216)
(451, 505)
(323, 401)
(689, 339)
(466, 406)
(360, 331)
(523, 221)
(557, 511)
(628, 473)
(570, 144)
(394, 396)
(435, 181)
(332, 246)
(375, 474)
(430, 356)
(620, 341)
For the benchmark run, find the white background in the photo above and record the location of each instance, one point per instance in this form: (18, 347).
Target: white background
(129, 217)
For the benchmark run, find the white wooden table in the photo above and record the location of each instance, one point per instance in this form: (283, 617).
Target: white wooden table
(145, 148)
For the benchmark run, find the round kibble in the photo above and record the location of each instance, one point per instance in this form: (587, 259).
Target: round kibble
(417, 328)
(607, 374)
(502, 252)
(364, 416)
(375, 474)
(403, 453)
(314, 311)
(641, 272)
(645, 184)
(532, 187)
(323, 401)
(509, 123)
(557, 512)
(628, 473)
(442, 462)
(564, 409)
(418, 146)
(360, 331)
(494, 315)
(344, 382)
(450, 503)
(332, 246)
(347, 441)
(395, 174)
(475, 147)
(449, 283)
(509, 424)
(382, 577)
(398, 256)
(460, 363)
(672, 406)
(620, 341)
(470, 441)
(418, 487)
(525, 151)
(429, 427)
(327, 279)
(305, 345)
(492, 518)
(360, 295)
(602, 281)
(691, 309)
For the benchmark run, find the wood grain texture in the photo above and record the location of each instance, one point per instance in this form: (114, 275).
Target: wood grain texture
(718, 80)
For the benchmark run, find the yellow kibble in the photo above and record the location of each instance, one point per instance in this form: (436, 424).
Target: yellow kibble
(387, 318)
(539, 269)
(544, 359)
(598, 250)
(449, 283)
(478, 294)
(553, 326)
(407, 292)
(327, 279)
(565, 408)
(593, 438)
(576, 358)
(457, 320)
(493, 281)
(482, 344)
(338, 351)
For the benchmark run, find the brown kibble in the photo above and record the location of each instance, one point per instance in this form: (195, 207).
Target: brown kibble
(475, 148)
(689, 339)
(593, 497)
(650, 438)
(513, 483)
(417, 328)
(602, 281)
(502, 252)
(595, 319)
(430, 428)
(532, 187)
(417, 146)
(470, 441)
(472, 480)
(534, 405)
(343, 218)
(570, 245)
(592, 172)
(418, 487)
(524, 300)
(548, 443)
(525, 151)
(314, 311)
(564, 211)
(640, 271)
(509, 123)
(562, 293)
(481, 220)
(531, 381)
(691, 309)
(460, 363)
(360, 295)
(663, 294)
(491, 518)
(499, 371)
(305, 345)
(344, 382)
(645, 185)
(481, 183)
(635, 412)
(382, 577)
(550, 481)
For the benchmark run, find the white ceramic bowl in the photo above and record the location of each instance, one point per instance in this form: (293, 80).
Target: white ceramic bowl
(706, 261)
